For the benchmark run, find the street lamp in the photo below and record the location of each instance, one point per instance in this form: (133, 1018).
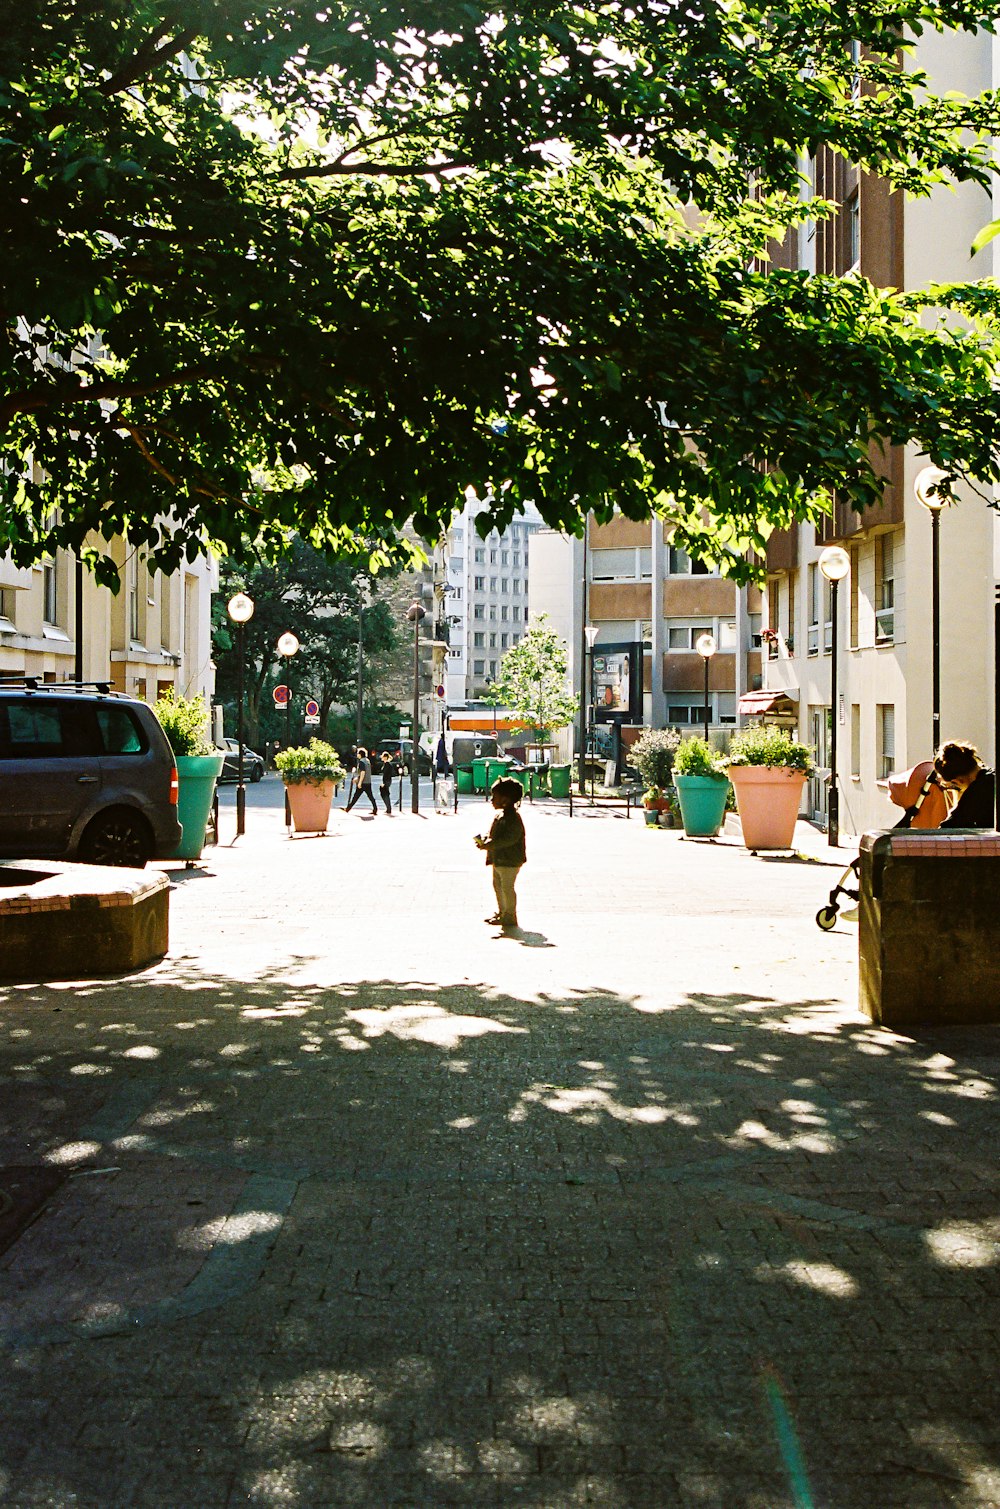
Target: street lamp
(240, 610)
(288, 646)
(414, 613)
(928, 490)
(591, 632)
(706, 647)
(364, 599)
(834, 563)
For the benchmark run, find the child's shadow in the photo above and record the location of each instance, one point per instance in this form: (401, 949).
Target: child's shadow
(526, 939)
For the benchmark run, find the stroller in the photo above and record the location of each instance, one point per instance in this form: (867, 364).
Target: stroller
(916, 790)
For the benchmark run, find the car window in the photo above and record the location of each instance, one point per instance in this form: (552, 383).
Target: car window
(37, 730)
(120, 734)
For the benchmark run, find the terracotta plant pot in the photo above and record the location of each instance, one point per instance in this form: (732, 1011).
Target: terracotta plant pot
(767, 799)
(310, 803)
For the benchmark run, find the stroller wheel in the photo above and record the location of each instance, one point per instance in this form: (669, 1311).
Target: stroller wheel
(826, 917)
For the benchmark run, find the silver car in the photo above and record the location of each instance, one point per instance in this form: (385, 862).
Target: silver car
(86, 774)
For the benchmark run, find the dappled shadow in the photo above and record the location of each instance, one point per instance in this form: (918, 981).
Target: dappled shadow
(413, 1243)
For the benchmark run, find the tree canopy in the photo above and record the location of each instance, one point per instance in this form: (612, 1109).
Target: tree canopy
(286, 267)
(532, 680)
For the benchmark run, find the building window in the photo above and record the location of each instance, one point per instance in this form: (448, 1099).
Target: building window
(480, 556)
(885, 729)
(493, 584)
(50, 594)
(854, 229)
(682, 634)
(504, 613)
(790, 636)
(493, 669)
(493, 557)
(812, 645)
(493, 641)
(516, 611)
(726, 635)
(517, 560)
(854, 553)
(493, 612)
(504, 584)
(478, 641)
(754, 624)
(680, 564)
(612, 566)
(855, 739)
(827, 615)
(7, 596)
(479, 583)
(478, 610)
(505, 557)
(885, 590)
(478, 667)
(685, 713)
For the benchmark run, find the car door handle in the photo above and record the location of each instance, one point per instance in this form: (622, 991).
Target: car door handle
(86, 780)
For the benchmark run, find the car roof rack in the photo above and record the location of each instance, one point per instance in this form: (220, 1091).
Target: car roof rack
(32, 684)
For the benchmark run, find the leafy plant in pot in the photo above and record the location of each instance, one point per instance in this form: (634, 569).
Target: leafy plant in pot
(652, 755)
(185, 721)
(768, 769)
(310, 772)
(702, 787)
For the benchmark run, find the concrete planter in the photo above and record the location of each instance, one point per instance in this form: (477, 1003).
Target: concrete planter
(767, 799)
(703, 803)
(310, 804)
(196, 778)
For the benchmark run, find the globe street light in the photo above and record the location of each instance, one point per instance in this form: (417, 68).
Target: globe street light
(834, 563)
(414, 613)
(288, 646)
(706, 647)
(590, 633)
(928, 488)
(240, 610)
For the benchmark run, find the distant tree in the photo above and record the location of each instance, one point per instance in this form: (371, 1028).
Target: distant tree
(532, 679)
(318, 598)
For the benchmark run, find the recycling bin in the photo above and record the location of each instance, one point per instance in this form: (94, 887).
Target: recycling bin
(496, 770)
(463, 778)
(559, 779)
(480, 770)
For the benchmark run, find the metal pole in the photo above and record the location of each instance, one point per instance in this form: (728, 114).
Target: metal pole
(241, 795)
(833, 798)
(705, 709)
(584, 619)
(414, 763)
(936, 628)
(361, 621)
(288, 732)
(593, 725)
(996, 703)
(78, 621)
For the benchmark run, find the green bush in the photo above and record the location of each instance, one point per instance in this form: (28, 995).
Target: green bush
(652, 754)
(763, 744)
(310, 764)
(184, 720)
(695, 757)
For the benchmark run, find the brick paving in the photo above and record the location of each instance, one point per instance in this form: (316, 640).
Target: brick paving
(366, 1205)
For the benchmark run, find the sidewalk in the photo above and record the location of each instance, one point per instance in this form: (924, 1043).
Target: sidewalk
(364, 1204)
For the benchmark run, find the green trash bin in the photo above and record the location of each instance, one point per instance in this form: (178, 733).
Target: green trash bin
(559, 779)
(523, 777)
(196, 778)
(480, 769)
(496, 770)
(463, 779)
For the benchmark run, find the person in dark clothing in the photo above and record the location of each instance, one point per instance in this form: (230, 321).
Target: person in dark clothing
(505, 849)
(960, 769)
(387, 772)
(442, 764)
(362, 782)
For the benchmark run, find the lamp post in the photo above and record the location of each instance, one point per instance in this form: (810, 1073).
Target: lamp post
(414, 613)
(240, 610)
(590, 634)
(364, 598)
(834, 563)
(706, 647)
(288, 646)
(928, 490)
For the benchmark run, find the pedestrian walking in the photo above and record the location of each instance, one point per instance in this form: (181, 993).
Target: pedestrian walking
(505, 849)
(442, 764)
(362, 782)
(388, 771)
(960, 770)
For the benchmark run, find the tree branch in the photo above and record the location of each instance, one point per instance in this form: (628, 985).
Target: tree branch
(148, 57)
(384, 170)
(55, 398)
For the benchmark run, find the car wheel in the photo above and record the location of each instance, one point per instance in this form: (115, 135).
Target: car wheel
(256, 774)
(117, 838)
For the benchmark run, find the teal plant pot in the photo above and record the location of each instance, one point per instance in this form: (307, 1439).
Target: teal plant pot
(196, 778)
(703, 803)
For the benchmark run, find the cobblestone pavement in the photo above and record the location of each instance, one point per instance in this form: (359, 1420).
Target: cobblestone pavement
(365, 1205)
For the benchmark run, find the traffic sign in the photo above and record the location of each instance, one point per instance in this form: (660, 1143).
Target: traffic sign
(282, 696)
(439, 690)
(312, 711)
(311, 720)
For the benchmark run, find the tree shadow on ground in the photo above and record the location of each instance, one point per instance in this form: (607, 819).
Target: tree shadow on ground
(464, 1248)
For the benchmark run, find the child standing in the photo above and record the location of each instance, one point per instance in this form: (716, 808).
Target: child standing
(505, 848)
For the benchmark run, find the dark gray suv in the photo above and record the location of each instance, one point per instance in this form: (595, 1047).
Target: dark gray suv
(85, 773)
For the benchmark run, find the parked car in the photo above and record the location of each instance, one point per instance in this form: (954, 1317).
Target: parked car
(86, 774)
(402, 752)
(253, 765)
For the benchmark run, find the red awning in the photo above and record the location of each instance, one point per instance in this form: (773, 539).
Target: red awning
(765, 702)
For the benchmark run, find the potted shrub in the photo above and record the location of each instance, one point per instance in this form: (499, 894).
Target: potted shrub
(310, 773)
(185, 721)
(652, 755)
(702, 787)
(768, 769)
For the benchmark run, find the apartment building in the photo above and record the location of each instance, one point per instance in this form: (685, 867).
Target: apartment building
(485, 583)
(155, 633)
(649, 604)
(884, 634)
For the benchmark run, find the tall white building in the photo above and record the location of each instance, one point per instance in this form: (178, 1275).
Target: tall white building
(486, 590)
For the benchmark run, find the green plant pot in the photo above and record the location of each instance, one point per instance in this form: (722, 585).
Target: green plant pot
(196, 778)
(703, 803)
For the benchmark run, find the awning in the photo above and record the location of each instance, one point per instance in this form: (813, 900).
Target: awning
(766, 702)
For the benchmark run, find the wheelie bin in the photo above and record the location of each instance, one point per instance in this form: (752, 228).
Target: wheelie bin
(463, 779)
(496, 771)
(559, 779)
(480, 769)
